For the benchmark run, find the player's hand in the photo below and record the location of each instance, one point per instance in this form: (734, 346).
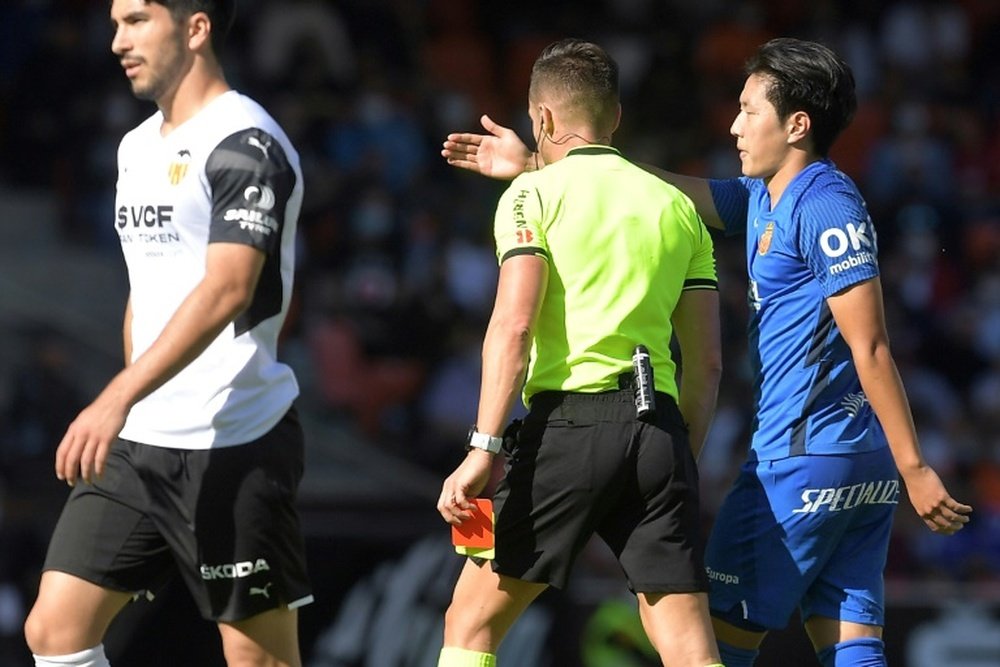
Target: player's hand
(84, 449)
(468, 480)
(500, 154)
(942, 513)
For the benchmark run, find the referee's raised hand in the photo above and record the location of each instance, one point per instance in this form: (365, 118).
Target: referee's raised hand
(500, 154)
(466, 482)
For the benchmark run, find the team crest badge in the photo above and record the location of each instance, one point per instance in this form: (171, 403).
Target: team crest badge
(179, 167)
(764, 242)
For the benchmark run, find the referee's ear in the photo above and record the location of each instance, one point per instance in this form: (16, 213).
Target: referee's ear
(545, 124)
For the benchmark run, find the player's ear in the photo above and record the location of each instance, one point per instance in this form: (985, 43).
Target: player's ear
(199, 30)
(798, 126)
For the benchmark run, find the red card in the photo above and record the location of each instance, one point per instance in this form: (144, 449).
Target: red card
(477, 531)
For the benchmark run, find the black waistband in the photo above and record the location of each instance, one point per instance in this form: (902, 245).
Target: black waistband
(545, 399)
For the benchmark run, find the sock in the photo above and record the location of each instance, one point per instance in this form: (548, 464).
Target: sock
(736, 657)
(91, 657)
(863, 652)
(452, 656)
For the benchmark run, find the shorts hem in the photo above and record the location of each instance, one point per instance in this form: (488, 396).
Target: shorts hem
(528, 577)
(732, 618)
(301, 602)
(849, 617)
(234, 616)
(91, 579)
(668, 589)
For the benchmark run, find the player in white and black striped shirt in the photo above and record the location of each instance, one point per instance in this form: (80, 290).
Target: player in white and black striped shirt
(192, 455)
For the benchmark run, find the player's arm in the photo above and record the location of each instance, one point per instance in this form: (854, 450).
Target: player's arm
(696, 325)
(522, 283)
(697, 190)
(250, 177)
(859, 314)
(231, 274)
(127, 331)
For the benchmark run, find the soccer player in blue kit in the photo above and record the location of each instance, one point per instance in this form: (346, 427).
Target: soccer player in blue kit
(807, 522)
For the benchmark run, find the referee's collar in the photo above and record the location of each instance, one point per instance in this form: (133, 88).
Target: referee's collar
(594, 149)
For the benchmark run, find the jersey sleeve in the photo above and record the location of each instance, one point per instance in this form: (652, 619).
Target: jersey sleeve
(701, 271)
(251, 181)
(517, 226)
(731, 197)
(837, 239)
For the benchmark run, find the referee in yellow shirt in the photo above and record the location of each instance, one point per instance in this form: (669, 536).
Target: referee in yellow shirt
(598, 258)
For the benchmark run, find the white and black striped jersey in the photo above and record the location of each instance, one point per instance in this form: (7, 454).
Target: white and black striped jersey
(229, 174)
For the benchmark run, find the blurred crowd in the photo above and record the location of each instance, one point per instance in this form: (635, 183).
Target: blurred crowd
(397, 268)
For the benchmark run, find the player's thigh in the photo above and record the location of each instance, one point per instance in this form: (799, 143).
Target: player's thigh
(736, 636)
(70, 614)
(849, 587)
(245, 553)
(104, 534)
(267, 639)
(762, 554)
(654, 526)
(484, 605)
(678, 625)
(103, 550)
(824, 632)
(546, 502)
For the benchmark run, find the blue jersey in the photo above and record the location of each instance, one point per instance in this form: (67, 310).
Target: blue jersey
(817, 241)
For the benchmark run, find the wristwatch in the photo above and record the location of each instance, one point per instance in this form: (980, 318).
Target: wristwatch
(477, 440)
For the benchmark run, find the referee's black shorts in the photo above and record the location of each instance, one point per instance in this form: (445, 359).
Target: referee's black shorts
(224, 518)
(584, 464)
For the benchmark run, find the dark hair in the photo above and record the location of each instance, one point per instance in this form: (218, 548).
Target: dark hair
(583, 73)
(221, 13)
(807, 76)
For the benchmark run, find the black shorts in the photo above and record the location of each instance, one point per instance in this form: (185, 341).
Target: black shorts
(224, 518)
(583, 464)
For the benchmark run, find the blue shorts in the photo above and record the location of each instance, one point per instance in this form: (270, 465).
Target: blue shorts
(808, 531)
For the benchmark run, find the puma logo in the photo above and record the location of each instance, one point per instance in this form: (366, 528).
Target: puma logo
(260, 145)
(254, 590)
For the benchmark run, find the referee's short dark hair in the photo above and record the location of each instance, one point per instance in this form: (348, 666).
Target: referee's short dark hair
(222, 14)
(584, 73)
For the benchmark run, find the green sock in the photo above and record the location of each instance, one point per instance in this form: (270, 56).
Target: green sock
(460, 657)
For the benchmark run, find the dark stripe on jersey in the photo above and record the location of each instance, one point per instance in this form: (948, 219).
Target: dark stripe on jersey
(252, 181)
(814, 357)
(594, 150)
(701, 283)
(514, 252)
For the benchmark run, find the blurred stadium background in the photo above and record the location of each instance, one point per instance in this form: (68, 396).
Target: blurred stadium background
(397, 272)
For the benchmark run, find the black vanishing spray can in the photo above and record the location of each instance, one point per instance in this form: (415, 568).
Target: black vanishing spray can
(645, 398)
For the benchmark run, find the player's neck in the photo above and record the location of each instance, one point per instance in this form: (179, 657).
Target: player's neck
(558, 147)
(199, 86)
(796, 162)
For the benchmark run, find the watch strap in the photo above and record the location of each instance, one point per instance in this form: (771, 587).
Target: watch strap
(484, 441)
